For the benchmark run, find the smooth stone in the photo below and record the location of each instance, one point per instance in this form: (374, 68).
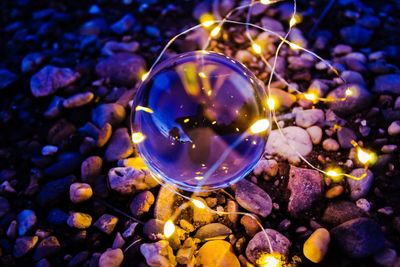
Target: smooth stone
(345, 136)
(125, 180)
(306, 187)
(334, 191)
(251, 224)
(356, 35)
(159, 254)
(253, 198)
(315, 133)
(26, 221)
(153, 229)
(104, 135)
(31, 62)
(141, 203)
(363, 204)
(272, 24)
(53, 193)
(123, 25)
(360, 188)
(267, 168)
(4, 206)
(353, 77)
(50, 79)
(49, 150)
(120, 145)
(386, 258)
(47, 247)
(112, 47)
(388, 83)
(213, 231)
(57, 217)
(341, 49)
(164, 206)
(122, 69)
(309, 117)
(111, 258)
(330, 145)
(66, 164)
(79, 192)
(284, 98)
(359, 100)
(359, 238)
(118, 242)
(91, 168)
(259, 244)
(59, 132)
(340, 211)
(23, 245)
(394, 128)
(111, 113)
(79, 220)
(79, 259)
(6, 78)
(106, 223)
(225, 256)
(78, 100)
(316, 246)
(293, 136)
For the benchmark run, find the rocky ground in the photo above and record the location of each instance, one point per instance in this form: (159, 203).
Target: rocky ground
(73, 191)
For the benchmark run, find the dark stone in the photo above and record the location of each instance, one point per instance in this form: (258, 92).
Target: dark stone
(4, 206)
(356, 35)
(6, 78)
(67, 163)
(359, 238)
(389, 83)
(124, 24)
(153, 229)
(57, 217)
(359, 100)
(339, 212)
(79, 259)
(60, 131)
(47, 247)
(111, 113)
(55, 192)
(345, 136)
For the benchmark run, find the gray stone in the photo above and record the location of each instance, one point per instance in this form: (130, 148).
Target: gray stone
(309, 117)
(158, 254)
(360, 99)
(388, 83)
(360, 188)
(213, 231)
(120, 145)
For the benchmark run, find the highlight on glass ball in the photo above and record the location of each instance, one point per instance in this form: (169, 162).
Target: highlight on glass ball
(198, 121)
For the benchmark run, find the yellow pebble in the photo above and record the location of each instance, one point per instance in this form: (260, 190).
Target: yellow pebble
(317, 245)
(335, 191)
(79, 220)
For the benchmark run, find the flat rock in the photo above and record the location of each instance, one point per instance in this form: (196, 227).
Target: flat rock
(120, 145)
(359, 238)
(91, 168)
(345, 136)
(359, 100)
(309, 117)
(253, 198)
(388, 83)
(125, 180)
(259, 244)
(294, 139)
(338, 212)
(360, 188)
(213, 231)
(50, 79)
(106, 223)
(141, 203)
(305, 187)
(225, 256)
(164, 206)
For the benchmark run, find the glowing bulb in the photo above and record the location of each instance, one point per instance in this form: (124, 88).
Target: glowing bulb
(265, 2)
(271, 103)
(332, 173)
(215, 31)
(259, 126)
(145, 109)
(169, 228)
(207, 20)
(292, 21)
(269, 260)
(198, 204)
(294, 46)
(257, 48)
(364, 157)
(202, 74)
(144, 76)
(137, 137)
(348, 92)
(310, 96)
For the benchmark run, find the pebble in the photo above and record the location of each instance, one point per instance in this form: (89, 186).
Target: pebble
(394, 128)
(79, 220)
(164, 206)
(4, 206)
(47, 247)
(120, 145)
(359, 100)
(121, 69)
(6, 78)
(284, 98)
(363, 204)
(341, 49)
(141, 203)
(316, 246)
(60, 131)
(315, 133)
(309, 117)
(12, 229)
(106, 223)
(79, 192)
(79, 259)
(125, 180)
(129, 230)
(345, 136)
(359, 238)
(259, 244)
(340, 211)
(123, 25)
(388, 83)
(118, 242)
(54, 108)
(104, 135)
(111, 258)
(78, 100)
(330, 144)
(91, 168)
(53, 193)
(386, 258)
(112, 47)
(26, 221)
(250, 224)
(356, 35)
(23, 245)
(335, 191)
(305, 187)
(212, 231)
(158, 254)
(266, 167)
(31, 62)
(66, 164)
(50, 79)
(360, 188)
(388, 211)
(57, 217)
(111, 113)
(253, 198)
(207, 255)
(353, 77)
(202, 216)
(387, 149)
(293, 136)
(272, 24)
(153, 229)
(49, 150)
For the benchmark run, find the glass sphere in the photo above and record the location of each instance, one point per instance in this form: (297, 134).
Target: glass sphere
(191, 119)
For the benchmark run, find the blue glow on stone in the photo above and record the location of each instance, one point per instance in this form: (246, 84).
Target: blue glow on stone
(197, 136)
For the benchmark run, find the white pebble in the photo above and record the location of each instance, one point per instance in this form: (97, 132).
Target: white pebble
(315, 133)
(394, 128)
(363, 204)
(330, 145)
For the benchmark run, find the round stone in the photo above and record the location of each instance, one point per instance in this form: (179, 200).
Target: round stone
(195, 112)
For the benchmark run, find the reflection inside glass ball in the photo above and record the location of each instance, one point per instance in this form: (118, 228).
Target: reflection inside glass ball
(192, 118)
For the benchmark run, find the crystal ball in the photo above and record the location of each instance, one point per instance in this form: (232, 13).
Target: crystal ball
(191, 118)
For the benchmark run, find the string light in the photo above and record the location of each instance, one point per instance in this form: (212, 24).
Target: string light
(271, 103)
(169, 228)
(144, 76)
(292, 22)
(335, 174)
(311, 97)
(138, 137)
(257, 48)
(207, 20)
(348, 92)
(294, 46)
(259, 126)
(364, 157)
(145, 109)
(269, 260)
(265, 2)
(199, 204)
(215, 31)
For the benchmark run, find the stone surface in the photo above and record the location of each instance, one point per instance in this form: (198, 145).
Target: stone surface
(388, 83)
(164, 206)
(158, 254)
(306, 187)
(55, 192)
(50, 79)
(23, 245)
(345, 136)
(359, 100)
(47, 247)
(316, 246)
(78, 100)
(106, 223)
(120, 145)
(251, 224)
(330, 144)
(207, 255)
(125, 180)
(267, 168)
(79, 192)
(259, 244)
(309, 117)
(356, 35)
(79, 220)
(141, 203)
(338, 212)
(360, 188)
(26, 221)
(6, 78)
(359, 238)
(315, 133)
(213, 231)
(394, 128)
(253, 198)
(294, 139)
(91, 168)
(111, 113)
(111, 258)
(4, 206)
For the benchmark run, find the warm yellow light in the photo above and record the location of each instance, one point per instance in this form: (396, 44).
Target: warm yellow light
(259, 126)
(292, 21)
(199, 178)
(363, 156)
(269, 260)
(145, 109)
(198, 204)
(310, 96)
(294, 46)
(202, 74)
(144, 76)
(332, 173)
(137, 137)
(215, 31)
(271, 102)
(257, 48)
(207, 20)
(169, 228)
(186, 120)
(335, 174)
(265, 2)
(348, 92)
